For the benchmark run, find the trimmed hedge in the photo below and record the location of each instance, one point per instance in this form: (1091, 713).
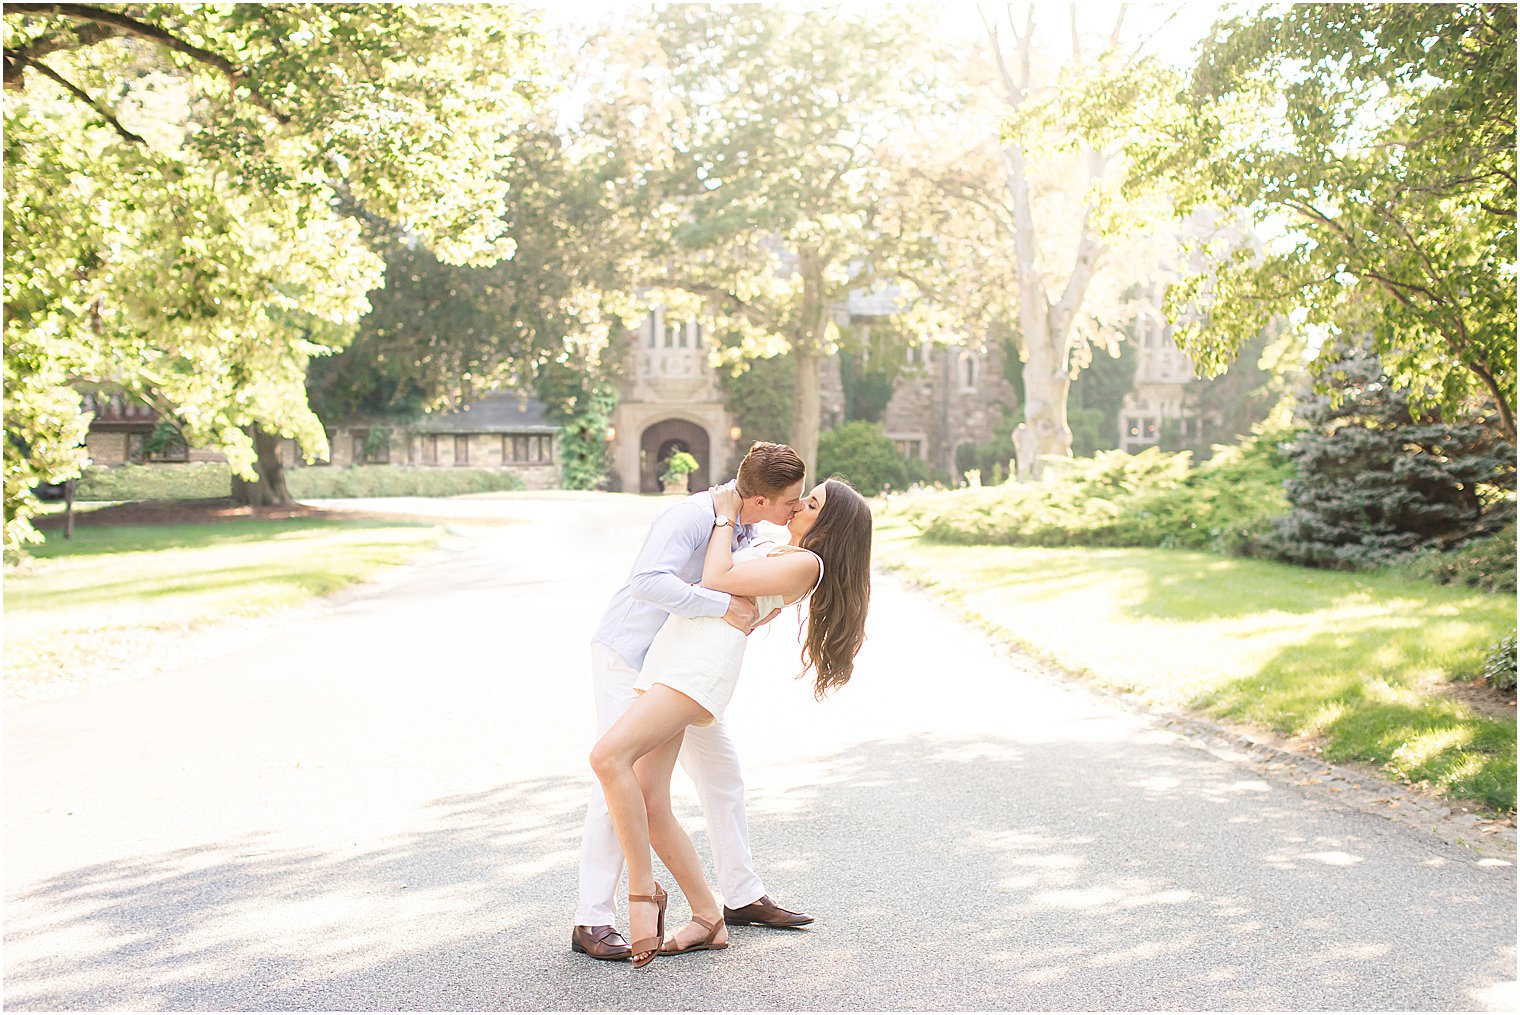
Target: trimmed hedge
(189, 481)
(396, 481)
(1116, 499)
(209, 480)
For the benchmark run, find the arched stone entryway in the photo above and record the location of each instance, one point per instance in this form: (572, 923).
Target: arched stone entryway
(663, 439)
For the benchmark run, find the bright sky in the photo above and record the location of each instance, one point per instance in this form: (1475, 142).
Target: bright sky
(1168, 30)
(1164, 29)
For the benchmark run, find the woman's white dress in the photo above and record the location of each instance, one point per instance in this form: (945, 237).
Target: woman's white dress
(701, 656)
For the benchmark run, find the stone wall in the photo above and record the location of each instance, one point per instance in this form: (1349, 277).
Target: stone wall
(533, 458)
(115, 447)
(947, 396)
(107, 448)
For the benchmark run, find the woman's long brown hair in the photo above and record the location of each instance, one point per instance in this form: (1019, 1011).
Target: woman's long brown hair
(837, 609)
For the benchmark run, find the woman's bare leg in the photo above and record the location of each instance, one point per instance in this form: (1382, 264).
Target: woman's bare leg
(658, 716)
(672, 843)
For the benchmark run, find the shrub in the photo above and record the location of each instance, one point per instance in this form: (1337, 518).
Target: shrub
(1375, 484)
(1116, 499)
(921, 473)
(1078, 502)
(1223, 504)
(1487, 563)
(862, 453)
(1499, 668)
(682, 463)
(583, 456)
(992, 459)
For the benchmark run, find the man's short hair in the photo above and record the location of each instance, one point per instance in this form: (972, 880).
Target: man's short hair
(768, 469)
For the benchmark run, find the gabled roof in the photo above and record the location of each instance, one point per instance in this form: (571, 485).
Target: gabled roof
(880, 301)
(497, 412)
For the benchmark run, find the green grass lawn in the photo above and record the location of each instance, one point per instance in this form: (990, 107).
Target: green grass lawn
(1354, 659)
(86, 600)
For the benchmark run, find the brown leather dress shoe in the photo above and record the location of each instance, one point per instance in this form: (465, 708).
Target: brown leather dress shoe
(764, 912)
(600, 942)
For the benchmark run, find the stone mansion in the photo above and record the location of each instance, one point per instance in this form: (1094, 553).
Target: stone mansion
(945, 396)
(672, 400)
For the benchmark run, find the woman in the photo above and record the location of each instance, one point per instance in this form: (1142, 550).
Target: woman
(689, 676)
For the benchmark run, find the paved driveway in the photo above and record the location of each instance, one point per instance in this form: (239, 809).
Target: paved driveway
(379, 807)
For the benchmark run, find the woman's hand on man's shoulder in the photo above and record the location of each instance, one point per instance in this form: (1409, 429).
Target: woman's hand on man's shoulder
(726, 499)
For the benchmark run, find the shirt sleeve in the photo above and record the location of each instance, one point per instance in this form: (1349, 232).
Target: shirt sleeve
(673, 539)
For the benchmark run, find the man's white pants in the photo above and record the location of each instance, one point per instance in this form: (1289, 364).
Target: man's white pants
(709, 757)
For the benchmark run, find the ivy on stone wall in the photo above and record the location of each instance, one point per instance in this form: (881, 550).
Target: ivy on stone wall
(580, 402)
(871, 356)
(760, 400)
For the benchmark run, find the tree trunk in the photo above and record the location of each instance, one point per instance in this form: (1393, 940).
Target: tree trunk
(268, 490)
(1046, 326)
(1046, 385)
(806, 412)
(1046, 333)
(807, 355)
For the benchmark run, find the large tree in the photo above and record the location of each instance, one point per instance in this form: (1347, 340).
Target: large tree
(1027, 240)
(177, 179)
(781, 119)
(1378, 141)
(1062, 237)
(440, 334)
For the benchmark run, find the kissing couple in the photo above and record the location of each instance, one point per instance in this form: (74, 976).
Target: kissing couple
(665, 662)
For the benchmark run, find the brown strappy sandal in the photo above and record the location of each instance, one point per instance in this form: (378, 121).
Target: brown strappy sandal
(649, 945)
(705, 945)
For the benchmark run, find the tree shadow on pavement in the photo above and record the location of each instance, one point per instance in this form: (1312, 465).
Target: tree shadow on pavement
(948, 874)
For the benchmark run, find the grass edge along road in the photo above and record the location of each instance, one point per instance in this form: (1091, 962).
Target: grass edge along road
(1352, 661)
(117, 597)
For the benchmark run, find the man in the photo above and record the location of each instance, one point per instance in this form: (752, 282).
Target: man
(663, 581)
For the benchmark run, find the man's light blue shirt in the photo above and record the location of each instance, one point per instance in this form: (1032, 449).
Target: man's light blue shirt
(665, 578)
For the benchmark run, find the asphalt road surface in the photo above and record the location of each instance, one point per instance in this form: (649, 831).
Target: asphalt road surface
(378, 806)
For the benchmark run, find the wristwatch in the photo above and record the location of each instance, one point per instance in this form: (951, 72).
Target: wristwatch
(722, 520)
